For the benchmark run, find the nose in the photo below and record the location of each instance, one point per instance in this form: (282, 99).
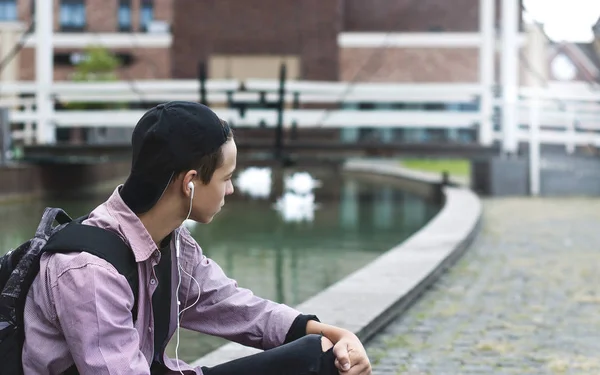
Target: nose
(229, 188)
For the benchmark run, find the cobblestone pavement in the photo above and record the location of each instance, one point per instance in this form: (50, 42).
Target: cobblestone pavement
(524, 299)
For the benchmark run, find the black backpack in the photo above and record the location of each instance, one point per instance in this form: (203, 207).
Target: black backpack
(19, 268)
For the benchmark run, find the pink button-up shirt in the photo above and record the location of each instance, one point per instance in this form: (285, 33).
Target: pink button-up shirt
(79, 307)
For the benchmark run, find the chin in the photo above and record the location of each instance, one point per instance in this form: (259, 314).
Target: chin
(205, 220)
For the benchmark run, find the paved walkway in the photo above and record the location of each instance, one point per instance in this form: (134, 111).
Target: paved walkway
(524, 299)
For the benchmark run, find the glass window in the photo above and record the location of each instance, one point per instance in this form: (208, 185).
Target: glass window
(124, 15)
(72, 15)
(8, 10)
(146, 14)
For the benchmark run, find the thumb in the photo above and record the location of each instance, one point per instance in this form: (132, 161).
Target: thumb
(342, 357)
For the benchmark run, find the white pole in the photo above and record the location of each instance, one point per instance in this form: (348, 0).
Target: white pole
(534, 143)
(537, 58)
(28, 130)
(487, 53)
(44, 70)
(510, 74)
(570, 144)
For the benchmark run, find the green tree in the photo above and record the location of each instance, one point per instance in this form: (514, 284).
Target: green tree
(98, 64)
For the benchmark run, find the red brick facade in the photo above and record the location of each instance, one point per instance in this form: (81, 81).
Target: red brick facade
(306, 28)
(309, 29)
(411, 15)
(101, 17)
(149, 63)
(409, 65)
(414, 16)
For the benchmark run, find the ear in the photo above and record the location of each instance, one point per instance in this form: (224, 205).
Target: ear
(187, 178)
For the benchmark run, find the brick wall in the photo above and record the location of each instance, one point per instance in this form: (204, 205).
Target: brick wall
(163, 10)
(409, 65)
(416, 65)
(101, 15)
(306, 28)
(24, 10)
(413, 15)
(150, 63)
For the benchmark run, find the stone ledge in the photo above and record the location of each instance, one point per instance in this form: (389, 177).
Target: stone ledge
(391, 283)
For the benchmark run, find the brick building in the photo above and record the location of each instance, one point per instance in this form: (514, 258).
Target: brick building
(319, 39)
(239, 39)
(572, 62)
(138, 31)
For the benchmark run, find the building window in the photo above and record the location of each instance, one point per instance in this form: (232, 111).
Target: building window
(146, 14)
(8, 10)
(72, 15)
(124, 15)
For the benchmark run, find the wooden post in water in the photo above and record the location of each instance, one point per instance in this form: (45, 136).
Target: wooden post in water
(280, 108)
(4, 136)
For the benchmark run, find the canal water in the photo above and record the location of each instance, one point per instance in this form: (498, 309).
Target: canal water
(285, 247)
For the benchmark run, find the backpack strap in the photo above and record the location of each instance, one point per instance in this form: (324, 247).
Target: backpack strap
(76, 237)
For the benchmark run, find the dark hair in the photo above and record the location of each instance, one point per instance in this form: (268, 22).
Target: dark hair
(208, 164)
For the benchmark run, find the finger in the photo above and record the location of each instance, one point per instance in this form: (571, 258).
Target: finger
(342, 357)
(360, 363)
(362, 368)
(339, 366)
(358, 356)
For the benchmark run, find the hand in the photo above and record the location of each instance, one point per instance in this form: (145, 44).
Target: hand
(351, 357)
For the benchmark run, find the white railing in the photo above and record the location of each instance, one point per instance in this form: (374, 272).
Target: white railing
(415, 39)
(120, 87)
(259, 117)
(569, 114)
(108, 40)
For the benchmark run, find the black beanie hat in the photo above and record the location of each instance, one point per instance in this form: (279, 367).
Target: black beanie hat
(168, 139)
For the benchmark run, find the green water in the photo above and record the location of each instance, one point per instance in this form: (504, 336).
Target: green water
(356, 221)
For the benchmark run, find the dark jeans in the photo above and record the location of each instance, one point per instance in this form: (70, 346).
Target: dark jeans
(301, 357)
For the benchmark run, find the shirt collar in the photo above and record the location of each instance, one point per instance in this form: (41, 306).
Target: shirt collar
(131, 227)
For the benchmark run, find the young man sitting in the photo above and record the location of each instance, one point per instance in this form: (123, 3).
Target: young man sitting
(78, 313)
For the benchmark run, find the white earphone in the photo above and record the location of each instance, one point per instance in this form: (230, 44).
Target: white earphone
(190, 186)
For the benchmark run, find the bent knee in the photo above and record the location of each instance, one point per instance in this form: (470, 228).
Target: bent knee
(311, 339)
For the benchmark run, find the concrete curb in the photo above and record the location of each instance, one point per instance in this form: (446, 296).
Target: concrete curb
(367, 300)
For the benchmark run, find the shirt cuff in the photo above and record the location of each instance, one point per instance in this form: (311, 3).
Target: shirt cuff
(298, 328)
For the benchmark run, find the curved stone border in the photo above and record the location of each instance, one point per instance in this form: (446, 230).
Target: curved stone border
(366, 300)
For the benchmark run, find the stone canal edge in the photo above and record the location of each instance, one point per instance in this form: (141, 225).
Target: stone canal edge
(367, 300)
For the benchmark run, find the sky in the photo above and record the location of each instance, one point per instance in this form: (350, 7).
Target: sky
(568, 20)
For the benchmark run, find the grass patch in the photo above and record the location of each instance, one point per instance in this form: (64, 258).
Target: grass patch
(455, 167)
(491, 346)
(376, 355)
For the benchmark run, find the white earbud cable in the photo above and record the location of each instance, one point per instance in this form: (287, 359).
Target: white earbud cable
(179, 268)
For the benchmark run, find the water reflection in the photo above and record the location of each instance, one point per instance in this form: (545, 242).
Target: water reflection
(254, 182)
(383, 208)
(301, 183)
(295, 207)
(349, 205)
(346, 223)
